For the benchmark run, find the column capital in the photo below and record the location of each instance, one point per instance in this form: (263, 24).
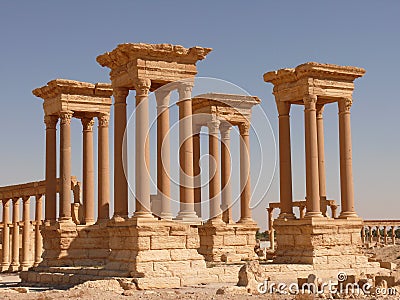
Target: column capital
(283, 108)
(87, 123)
(50, 121)
(25, 198)
(225, 129)
(162, 97)
(320, 110)
(142, 86)
(213, 127)
(345, 105)
(120, 94)
(103, 119)
(185, 89)
(65, 117)
(244, 128)
(310, 101)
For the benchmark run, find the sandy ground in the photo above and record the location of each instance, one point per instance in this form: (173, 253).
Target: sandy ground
(10, 288)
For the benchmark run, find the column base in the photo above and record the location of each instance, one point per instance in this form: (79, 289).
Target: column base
(4, 268)
(188, 217)
(248, 221)
(24, 267)
(143, 215)
(166, 216)
(348, 215)
(13, 268)
(313, 214)
(288, 216)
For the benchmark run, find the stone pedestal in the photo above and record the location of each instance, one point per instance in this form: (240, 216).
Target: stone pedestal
(323, 242)
(227, 242)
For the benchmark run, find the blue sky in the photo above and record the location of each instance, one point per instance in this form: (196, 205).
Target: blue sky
(43, 40)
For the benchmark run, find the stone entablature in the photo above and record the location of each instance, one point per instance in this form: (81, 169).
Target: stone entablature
(82, 98)
(161, 63)
(326, 81)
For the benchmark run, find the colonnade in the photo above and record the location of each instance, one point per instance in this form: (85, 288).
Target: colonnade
(88, 167)
(384, 232)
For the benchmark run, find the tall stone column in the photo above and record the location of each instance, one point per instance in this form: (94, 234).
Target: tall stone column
(38, 235)
(393, 236)
(103, 208)
(65, 166)
(5, 261)
(51, 167)
(226, 193)
(26, 234)
(245, 185)
(370, 234)
(385, 236)
(346, 164)
(311, 145)
(321, 158)
(214, 172)
(163, 153)
(270, 217)
(120, 154)
(15, 236)
(186, 194)
(285, 161)
(88, 170)
(142, 177)
(197, 169)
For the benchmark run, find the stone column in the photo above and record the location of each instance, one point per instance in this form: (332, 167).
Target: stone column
(163, 153)
(15, 236)
(385, 235)
(65, 166)
(214, 172)
(272, 239)
(196, 169)
(378, 235)
(370, 234)
(302, 210)
(26, 234)
(321, 158)
(245, 186)
(285, 162)
(226, 193)
(311, 145)
(270, 211)
(186, 194)
(393, 236)
(120, 154)
(142, 177)
(363, 235)
(103, 208)
(5, 261)
(38, 235)
(51, 167)
(88, 170)
(346, 167)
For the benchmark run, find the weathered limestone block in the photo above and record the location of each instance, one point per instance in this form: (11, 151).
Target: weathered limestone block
(155, 255)
(235, 240)
(185, 254)
(168, 242)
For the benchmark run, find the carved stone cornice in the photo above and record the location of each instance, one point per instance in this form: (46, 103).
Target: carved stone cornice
(65, 117)
(142, 87)
(87, 124)
(103, 119)
(50, 121)
(244, 128)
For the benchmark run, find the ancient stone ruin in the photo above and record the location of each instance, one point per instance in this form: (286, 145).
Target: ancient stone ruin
(154, 248)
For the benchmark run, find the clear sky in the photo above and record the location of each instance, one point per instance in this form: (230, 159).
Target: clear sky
(43, 40)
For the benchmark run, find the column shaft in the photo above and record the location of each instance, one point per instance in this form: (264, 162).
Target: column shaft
(38, 235)
(142, 177)
(196, 169)
(26, 234)
(226, 186)
(51, 167)
(5, 261)
(88, 170)
(285, 162)
(103, 209)
(245, 186)
(163, 153)
(311, 145)
(321, 158)
(15, 236)
(214, 171)
(346, 165)
(65, 166)
(120, 154)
